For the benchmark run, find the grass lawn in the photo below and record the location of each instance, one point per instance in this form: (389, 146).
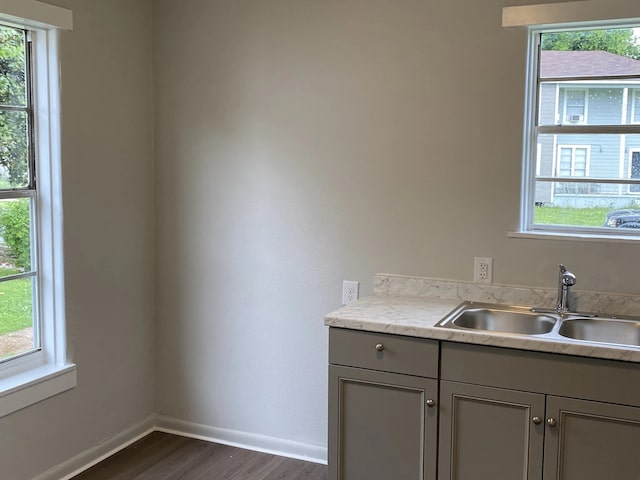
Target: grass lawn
(15, 303)
(592, 217)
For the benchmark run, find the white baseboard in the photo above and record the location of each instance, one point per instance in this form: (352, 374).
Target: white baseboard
(249, 441)
(90, 457)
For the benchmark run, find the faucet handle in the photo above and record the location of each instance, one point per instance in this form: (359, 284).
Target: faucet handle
(568, 279)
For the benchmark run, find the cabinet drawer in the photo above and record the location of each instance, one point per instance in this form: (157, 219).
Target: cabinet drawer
(384, 352)
(562, 375)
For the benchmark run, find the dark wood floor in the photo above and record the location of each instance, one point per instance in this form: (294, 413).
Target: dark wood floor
(161, 456)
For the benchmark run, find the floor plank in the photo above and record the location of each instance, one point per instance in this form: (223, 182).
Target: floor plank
(161, 456)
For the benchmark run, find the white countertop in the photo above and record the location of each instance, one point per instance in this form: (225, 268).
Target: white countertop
(417, 316)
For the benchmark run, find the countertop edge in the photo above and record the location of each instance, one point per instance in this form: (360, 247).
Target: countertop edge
(416, 317)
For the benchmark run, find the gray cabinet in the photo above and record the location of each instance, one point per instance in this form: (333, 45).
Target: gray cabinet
(399, 407)
(382, 424)
(591, 440)
(490, 433)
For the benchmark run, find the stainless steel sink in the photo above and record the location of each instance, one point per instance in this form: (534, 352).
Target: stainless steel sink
(499, 318)
(602, 330)
(544, 323)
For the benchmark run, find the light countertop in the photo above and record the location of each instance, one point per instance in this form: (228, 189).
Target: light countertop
(417, 316)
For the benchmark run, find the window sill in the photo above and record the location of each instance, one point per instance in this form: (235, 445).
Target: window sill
(34, 385)
(575, 237)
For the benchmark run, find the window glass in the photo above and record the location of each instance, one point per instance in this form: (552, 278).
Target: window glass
(13, 72)
(585, 130)
(18, 276)
(14, 155)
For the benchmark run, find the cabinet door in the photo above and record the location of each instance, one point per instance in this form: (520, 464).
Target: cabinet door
(490, 433)
(381, 425)
(591, 441)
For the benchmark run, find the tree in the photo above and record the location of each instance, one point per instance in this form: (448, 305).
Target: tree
(14, 167)
(14, 228)
(13, 124)
(620, 41)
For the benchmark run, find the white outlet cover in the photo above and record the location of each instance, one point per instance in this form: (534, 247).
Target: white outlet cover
(350, 291)
(483, 269)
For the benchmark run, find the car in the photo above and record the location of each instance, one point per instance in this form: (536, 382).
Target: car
(625, 218)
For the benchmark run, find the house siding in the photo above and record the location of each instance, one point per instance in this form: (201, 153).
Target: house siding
(609, 155)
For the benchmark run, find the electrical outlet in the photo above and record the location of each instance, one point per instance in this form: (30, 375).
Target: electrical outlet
(482, 269)
(349, 291)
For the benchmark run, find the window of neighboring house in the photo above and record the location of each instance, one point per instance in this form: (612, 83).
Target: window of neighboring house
(575, 106)
(635, 106)
(573, 161)
(578, 101)
(33, 359)
(634, 169)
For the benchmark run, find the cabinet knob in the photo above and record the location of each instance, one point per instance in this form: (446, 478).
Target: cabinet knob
(551, 422)
(431, 403)
(536, 420)
(379, 347)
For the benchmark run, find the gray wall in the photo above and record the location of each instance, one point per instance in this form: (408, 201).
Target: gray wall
(108, 202)
(300, 143)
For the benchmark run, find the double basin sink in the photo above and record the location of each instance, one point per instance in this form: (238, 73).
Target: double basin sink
(526, 321)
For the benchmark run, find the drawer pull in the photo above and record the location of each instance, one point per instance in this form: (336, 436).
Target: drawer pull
(536, 420)
(431, 403)
(551, 422)
(379, 347)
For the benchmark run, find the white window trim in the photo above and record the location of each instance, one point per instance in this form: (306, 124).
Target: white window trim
(38, 375)
(560, 16)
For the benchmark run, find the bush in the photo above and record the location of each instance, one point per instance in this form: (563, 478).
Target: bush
(14, 228)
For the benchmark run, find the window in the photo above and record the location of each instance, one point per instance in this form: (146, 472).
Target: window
(573, 161)
(583, 122)
(33, 363)
(19, 326)
(635, 107)
(634, 165)
(575, 106)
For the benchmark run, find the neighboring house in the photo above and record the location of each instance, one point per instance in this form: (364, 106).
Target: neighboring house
(582, 101)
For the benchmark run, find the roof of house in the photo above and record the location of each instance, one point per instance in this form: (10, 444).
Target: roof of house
(554, 64)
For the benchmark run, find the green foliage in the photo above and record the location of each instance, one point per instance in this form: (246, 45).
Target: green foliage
(14, 228)
(620, 41)
(13, 125)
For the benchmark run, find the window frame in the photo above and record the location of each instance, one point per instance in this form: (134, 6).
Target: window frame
(37, 375)
(532, 129)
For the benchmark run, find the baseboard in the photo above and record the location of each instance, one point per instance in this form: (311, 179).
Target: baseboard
(249, 441)
(90, 457)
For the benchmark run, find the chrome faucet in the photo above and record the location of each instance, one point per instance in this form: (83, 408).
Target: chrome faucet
(566, 279)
